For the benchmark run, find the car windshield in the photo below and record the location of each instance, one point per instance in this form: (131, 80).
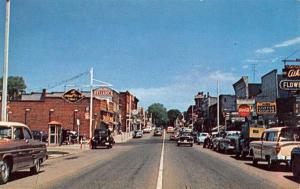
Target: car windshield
(290, 134)
(5, 132)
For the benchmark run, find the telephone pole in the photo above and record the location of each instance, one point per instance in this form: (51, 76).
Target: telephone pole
(218, 108)
(5, 64)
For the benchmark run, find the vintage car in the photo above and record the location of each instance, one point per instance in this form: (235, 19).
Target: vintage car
(295, 162)
(170, 129)
(276, 145)
(18, 150)
(157, 131)
(137, 134)
(201, 137)
(148, 129)
(185, 138)
(102, 137)
(175, 135)
(227, 143)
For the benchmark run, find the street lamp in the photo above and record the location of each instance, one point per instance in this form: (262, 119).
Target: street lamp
(74, 118)
(27, 110)
(50, 113)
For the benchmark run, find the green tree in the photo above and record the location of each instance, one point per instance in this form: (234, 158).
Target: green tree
(15, 86)
(172, 115)
(159, 114)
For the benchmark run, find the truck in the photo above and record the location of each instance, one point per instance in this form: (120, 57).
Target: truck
(249, 133)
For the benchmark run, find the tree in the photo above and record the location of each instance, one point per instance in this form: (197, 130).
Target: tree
(159, 114)
(172, 115)
(15, 86)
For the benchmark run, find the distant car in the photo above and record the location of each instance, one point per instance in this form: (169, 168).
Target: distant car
(137, 134)
(18, 150)
(102, 137)
(201, 137)
(170, 129)
(185, 138)
(174, 136)
(40, 136)
(158, 131)
(148, 129)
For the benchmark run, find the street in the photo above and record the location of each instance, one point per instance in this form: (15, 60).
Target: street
(135, 164)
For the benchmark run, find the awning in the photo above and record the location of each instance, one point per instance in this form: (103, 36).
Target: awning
(54, 123)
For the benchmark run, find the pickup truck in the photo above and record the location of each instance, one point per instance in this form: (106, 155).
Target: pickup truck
(275, 145)
(295, 161)
(18, 150)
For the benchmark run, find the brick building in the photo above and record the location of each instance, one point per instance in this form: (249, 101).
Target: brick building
(128, 103)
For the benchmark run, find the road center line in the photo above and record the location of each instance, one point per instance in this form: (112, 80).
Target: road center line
(161, 166)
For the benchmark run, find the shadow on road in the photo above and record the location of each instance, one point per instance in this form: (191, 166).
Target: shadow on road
(292, 179)
(241, 159)
(279, 168)
(21, 174)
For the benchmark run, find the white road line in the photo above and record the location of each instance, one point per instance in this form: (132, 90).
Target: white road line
(161, 166)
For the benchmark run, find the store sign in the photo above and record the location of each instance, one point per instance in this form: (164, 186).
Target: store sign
(103, 92)
(266, 108)
(245, 101)
(244, 110)
(73, 96)
(290, 85)
(292, 71)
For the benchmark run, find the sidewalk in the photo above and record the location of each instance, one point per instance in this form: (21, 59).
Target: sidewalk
(65, 150)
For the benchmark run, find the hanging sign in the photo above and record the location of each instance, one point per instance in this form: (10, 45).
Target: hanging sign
(291, 71)
(73, 96)
(266, 108)
(244, 110)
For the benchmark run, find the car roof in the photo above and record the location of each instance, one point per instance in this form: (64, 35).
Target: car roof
(10, 124)
(275, 129)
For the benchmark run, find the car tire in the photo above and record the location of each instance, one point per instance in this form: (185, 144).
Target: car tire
(198, 143)
(244, 155)
(5, 174)
(178, 144)
(295, 168)
(254, 161)
(270, 163)
(191, 145)
(36, 168)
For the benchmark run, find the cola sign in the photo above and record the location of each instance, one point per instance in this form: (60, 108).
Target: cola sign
(244, 110)
(291, 71)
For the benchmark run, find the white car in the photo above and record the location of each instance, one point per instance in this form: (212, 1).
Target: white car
(201, 137)
(147, 129)
(276, 145)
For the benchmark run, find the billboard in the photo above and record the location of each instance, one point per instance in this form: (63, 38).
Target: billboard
(266, 108)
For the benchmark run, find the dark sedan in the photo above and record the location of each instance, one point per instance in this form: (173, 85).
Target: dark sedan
(185, 138)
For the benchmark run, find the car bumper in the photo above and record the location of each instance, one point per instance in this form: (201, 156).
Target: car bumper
(185, 142)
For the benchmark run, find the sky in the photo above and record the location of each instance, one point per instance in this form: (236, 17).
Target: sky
(162, 51)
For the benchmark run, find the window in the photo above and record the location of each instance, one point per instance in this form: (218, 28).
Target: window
(5, 132)
(27, 134)
(272, 136)
(18, 133)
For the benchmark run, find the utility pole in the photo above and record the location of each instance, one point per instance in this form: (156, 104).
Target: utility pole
(218, 108)
(254, 72)
(192, 116)
(91, 100)
(5, 64)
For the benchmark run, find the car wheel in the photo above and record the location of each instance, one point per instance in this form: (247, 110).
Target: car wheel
(296, 168)
(254, 161)
(198, 143)
(178, 144)
(244, 154)
(192, 145)
(5, 172)
(270, 163)
(36, 168)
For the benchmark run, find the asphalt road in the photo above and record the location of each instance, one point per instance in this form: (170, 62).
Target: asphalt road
(135, 164)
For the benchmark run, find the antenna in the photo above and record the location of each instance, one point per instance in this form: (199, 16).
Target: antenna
(254, 72)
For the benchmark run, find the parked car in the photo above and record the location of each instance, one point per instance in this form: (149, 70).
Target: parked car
(276, 145)
(194, 134)
(295, 162)
(137, 134)
(102, 137)
(40, 136)
(170, 129)
(157, 131)
(185, 138)
(216, 141)
(227, 143)
(18, 150)
(148, 129)
(201, 137)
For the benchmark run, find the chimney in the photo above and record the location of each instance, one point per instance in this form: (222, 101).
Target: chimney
(43, 94)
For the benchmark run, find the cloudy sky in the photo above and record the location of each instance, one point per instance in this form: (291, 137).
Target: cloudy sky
(162, 51)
